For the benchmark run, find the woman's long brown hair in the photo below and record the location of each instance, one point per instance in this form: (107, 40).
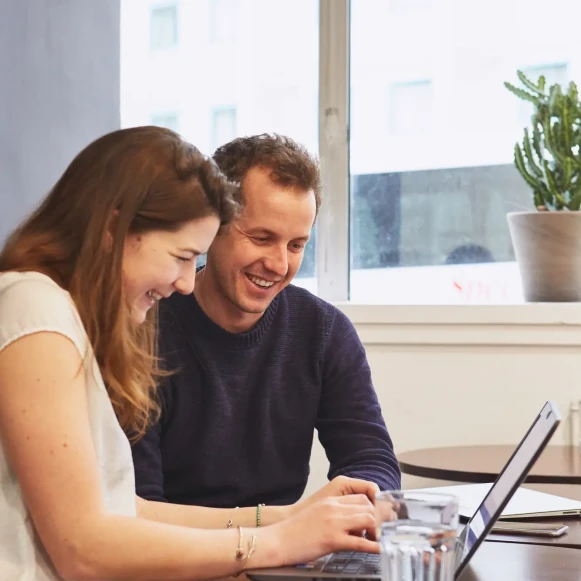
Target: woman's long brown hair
(130, 181)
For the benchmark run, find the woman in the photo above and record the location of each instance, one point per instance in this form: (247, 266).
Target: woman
(79, 283)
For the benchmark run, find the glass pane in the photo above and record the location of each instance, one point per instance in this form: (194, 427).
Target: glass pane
(240, 68)
(432, 137)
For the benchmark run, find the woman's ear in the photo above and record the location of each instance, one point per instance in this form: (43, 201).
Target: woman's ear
(108, 237)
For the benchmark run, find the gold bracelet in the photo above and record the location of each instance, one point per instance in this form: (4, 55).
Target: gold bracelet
(240, 552)
(250, 550)
(230, 522)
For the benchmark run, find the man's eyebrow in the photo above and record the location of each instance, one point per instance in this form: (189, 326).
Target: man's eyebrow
(261, 230)
(267, 232)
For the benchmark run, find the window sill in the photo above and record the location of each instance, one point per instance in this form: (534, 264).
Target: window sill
(551, 324)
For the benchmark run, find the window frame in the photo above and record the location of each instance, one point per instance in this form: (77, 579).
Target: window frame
(333, 223)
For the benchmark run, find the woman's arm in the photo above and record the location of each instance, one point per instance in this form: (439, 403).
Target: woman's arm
(45, 433)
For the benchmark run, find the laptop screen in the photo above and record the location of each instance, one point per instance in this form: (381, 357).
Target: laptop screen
(506, 484)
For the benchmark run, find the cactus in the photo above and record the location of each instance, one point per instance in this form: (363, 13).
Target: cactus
(549, 157)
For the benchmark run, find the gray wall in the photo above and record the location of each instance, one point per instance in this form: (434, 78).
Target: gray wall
(59, 90)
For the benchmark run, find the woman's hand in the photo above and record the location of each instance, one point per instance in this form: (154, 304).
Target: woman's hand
(333, 524)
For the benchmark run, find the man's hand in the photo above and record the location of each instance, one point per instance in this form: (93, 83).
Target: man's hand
(339, 486)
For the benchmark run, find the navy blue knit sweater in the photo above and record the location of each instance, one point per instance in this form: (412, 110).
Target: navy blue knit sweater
(239, 416)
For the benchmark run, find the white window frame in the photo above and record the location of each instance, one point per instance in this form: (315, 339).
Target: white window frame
(333, 252)
(333, 256)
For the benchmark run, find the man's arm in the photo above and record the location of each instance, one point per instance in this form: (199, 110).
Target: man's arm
(350, 424)
(147, 462)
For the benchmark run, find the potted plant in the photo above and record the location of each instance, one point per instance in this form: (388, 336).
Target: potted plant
(547, 240)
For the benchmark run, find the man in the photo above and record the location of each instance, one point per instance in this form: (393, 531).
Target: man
(260, 364)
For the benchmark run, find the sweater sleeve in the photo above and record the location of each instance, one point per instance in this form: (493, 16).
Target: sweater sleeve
(148, 465)
(350, 423)
(148, 451)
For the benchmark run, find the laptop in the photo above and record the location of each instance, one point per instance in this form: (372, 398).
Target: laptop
(363, 566)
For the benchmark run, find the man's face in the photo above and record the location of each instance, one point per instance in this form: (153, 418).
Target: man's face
(259, 253)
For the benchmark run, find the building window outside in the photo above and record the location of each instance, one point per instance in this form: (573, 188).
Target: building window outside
(223, 126)
(163, 27)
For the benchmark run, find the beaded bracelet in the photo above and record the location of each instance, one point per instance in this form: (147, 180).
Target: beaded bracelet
(258, 510)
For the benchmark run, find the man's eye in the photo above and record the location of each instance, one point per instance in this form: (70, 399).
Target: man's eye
(184, 259)
(261, 239)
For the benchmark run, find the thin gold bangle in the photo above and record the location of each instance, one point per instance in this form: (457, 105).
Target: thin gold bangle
(250, 550)
(240, 552)
(230, 522)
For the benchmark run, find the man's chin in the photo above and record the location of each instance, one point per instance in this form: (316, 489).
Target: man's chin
(253, 309)
(251, 305)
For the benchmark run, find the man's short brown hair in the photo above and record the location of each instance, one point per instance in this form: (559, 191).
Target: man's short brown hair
(290, 164)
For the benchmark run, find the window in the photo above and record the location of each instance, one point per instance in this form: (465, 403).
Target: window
(223, 126)
(222, 21)
(163, 27)
(259, 81)
(428, 127)
(432, 173)
(168, 120)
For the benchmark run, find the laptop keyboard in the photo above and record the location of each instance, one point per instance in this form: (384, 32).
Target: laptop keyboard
(353, 563)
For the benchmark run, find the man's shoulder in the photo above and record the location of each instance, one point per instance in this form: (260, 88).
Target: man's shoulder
(310, 306)
(301, 296)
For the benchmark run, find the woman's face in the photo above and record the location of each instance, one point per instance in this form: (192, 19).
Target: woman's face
(157, 263)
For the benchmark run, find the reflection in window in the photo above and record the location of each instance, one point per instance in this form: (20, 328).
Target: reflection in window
(223, 125)
(164, 27)
(168, 120)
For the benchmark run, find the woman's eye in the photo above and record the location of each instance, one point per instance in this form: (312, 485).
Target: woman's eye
(183, 259)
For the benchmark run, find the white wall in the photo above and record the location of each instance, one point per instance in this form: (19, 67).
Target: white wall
(464, 375)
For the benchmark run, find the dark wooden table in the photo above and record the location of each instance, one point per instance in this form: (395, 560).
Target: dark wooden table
(511, 562)
(557, 464)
